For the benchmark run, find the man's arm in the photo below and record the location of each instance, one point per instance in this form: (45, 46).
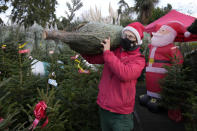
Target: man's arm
(126, 72)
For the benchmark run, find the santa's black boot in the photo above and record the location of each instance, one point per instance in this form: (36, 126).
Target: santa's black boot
(144, 99)
(154, 105)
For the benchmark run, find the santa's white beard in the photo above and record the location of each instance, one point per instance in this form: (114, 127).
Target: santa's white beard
(160, 40)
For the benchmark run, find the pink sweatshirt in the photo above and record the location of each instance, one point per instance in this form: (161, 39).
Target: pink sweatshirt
(117, 87)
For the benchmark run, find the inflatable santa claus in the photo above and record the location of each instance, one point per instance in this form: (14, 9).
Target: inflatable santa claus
(162, 52)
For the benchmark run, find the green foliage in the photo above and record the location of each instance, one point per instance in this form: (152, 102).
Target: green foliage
(29, 11)
(175, 86)
(17, 78)
(3, 8)
(124, 12)
(3, 5)
(124, 9)
(65, 23)
(78, 93)
(10, 53)
(76, 5)
(144, 8)
(144, 51)
(191, 110)
(179, 90)
(159, 12)
(71, 105)
(56, 117)
(125, 21)
(7, 112)
(191, 63)
(62, 23)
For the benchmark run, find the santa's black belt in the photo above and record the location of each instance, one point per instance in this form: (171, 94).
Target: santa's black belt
(158, 61)
(161, 61)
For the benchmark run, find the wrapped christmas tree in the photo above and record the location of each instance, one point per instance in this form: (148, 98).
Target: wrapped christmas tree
(87, 39)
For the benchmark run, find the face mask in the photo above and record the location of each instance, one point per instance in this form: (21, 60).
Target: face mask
(128, 45)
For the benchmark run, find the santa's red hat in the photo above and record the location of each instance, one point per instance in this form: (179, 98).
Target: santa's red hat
(177, 28)
(138, 29)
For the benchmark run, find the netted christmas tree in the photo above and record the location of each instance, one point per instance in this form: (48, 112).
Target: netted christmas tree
(87, 39)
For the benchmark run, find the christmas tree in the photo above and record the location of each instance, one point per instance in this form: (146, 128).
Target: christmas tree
(179, 90)
(71, 102)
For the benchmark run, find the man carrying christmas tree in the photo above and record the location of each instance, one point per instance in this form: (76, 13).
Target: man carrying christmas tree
(117, 87)
(162, 52)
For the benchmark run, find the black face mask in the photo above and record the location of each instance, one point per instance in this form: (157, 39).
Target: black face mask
(128, 45)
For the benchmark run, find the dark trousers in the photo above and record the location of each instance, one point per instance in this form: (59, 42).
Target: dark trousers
(115, 122)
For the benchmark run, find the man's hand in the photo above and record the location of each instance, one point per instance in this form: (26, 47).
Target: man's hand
(106, 44)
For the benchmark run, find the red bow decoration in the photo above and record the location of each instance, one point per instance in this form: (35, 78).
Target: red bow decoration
(175, 115)
(40, 113)
(1, 119)
(24, 51)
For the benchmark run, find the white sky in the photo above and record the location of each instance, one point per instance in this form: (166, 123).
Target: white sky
(183, 6)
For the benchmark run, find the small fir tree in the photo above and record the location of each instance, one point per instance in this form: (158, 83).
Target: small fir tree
(179, 90)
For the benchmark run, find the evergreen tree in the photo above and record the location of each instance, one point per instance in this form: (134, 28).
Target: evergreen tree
(179, 92)
(71, 105)
(16, 68)
(7, 113)
(3, 8)
(56, 117)
(77, 92)
(29, 11)
(191, 111)
(76, 5)
(66, 22)
(159, 12)
(144, 8)
(124, 12)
